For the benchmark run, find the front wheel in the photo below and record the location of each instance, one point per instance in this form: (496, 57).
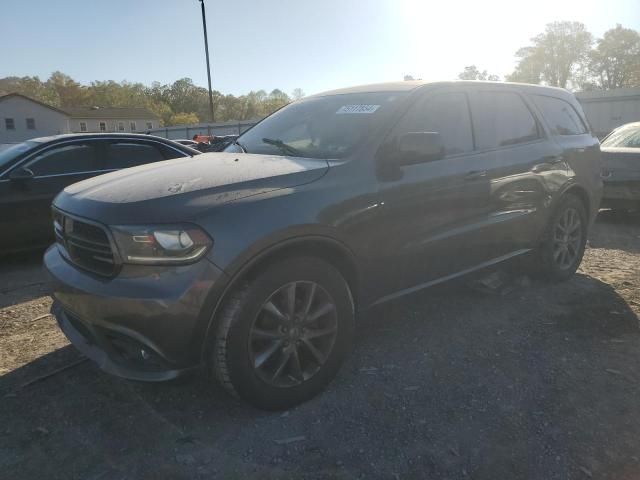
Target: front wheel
(561, 251)
(282, 336)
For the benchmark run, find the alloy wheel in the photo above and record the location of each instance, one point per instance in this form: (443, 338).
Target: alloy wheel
(293, 334)
(567, 238)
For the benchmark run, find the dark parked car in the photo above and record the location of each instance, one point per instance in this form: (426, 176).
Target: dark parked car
(32, 173)
(621, 168)
(220, 142)
(256, 264)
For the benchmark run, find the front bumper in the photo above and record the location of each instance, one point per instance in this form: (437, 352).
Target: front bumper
(148, 323)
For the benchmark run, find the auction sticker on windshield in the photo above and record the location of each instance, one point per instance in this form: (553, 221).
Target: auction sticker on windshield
(357, 109)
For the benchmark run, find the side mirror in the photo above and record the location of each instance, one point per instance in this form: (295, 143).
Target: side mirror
(21, 173)
(418, 147)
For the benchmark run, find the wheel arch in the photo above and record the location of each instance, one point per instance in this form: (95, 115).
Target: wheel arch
(328, 249)
(580, 192)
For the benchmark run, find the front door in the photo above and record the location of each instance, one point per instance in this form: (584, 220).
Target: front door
(431, 211)
(26, 202)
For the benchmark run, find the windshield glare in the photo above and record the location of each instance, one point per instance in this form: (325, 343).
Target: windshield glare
(9, 154)
(322, 127)
(625, 137)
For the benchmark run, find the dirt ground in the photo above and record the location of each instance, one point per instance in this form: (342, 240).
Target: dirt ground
(536, 382)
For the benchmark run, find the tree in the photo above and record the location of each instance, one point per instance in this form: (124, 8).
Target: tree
(555, 56)
(471, 72)
(32, 87)
(70, 92)
(183, 118)
(615, 62)
(275, 100)
(297, 93)
(181, 102)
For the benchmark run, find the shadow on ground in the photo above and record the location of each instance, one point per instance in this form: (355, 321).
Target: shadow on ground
(539, 383)
(616, 230)
(23, 278)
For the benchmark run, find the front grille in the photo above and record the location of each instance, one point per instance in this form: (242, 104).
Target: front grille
(85, 244)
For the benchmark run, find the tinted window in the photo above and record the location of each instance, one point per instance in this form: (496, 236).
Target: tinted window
(11, 153)
(79, 157)
(625, 137)
(446, 114)
(561, 116)
(501, 119)
(129, 154)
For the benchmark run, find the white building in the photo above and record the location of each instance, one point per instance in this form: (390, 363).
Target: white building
(22, 118)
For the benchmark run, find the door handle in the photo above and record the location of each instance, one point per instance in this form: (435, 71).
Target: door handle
(475, 174)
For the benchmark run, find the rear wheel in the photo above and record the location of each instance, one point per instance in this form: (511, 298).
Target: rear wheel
(282, 336)
(561, 252)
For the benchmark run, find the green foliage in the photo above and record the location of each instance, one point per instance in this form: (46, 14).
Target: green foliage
(471, 72)
(183, 119)
(556, 55)
(615, 62)
(297, 93)
(562, 56)
(181, 102)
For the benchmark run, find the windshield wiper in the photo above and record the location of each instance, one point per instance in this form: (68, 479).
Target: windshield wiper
(284, 148)
(242, 147)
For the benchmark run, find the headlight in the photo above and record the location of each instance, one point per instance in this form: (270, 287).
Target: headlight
(163, 244)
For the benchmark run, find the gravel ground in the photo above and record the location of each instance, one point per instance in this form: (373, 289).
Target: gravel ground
(534, 382)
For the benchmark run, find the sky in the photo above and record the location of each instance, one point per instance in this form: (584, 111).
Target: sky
(285, 44)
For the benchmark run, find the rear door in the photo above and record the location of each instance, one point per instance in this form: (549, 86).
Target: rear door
(521, 165)
(126, 153)
(580, 150)
(27, 201)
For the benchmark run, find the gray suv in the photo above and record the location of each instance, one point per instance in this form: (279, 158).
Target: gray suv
(254, 262)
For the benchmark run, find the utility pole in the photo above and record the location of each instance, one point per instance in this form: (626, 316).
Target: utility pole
(206, 51)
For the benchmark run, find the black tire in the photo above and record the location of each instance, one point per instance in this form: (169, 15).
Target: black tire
(233, 359)
(547, 263)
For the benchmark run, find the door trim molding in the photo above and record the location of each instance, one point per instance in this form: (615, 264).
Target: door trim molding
(421, 286)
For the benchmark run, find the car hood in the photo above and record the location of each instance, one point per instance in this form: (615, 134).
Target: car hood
(181, 189)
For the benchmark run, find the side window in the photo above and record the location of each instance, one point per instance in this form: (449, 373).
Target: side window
(446, 114)
(501, 119)
(561, 116)
(75, 158)
(127, 154)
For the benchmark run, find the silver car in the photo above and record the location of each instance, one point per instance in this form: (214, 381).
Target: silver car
(621, 168)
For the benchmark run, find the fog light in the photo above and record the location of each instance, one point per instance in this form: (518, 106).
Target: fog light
(144, 354)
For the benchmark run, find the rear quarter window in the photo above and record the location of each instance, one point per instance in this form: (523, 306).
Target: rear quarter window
(561, 116)
(126, 154)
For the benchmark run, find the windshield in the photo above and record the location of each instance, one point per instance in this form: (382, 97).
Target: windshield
(322, 127)
(9, 154)
(628, 137)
